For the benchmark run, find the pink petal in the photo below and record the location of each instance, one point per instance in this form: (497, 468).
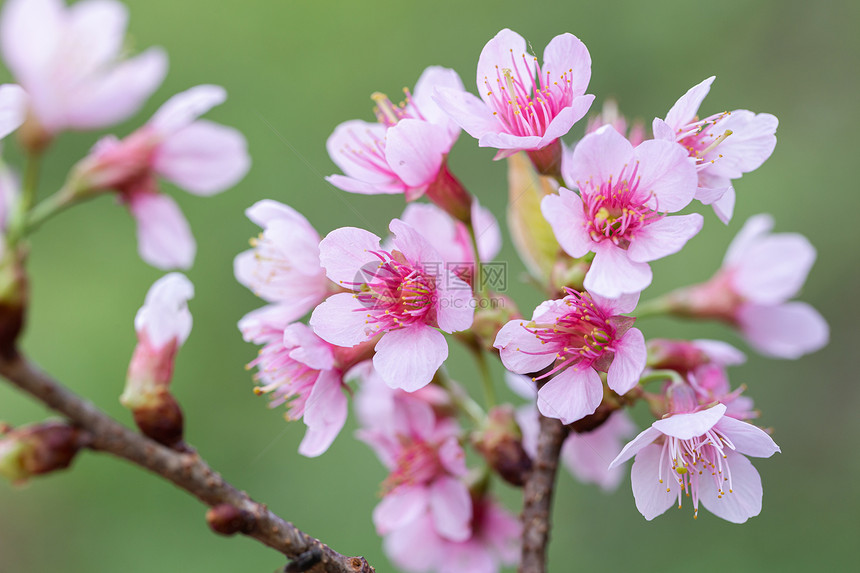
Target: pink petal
(612, 273)
(566, 53)
(687, 426)
(119, 93)
(754, 231)
(452, 457)
(408, 358)
(748, 439)
(433, 78)
(571, 394)
(468, 112)
(645, 438)
(665, 170)
(628, 363)
(307, 347)
(29, 31)
(598, 155)
(451, 507)
(258, 325)
(520, 350)
(564, 213)
(348, 145)
(686, 108)
(614, 306)
(100, 26)
(416, 546)
(455, 305)
(185, 107)
(399, 508)
(752, 141)
(341, 319)
(392, 186)
(724, 207)
(415, 150)
(773, 269)
(587, 456)
(720, 352)
(744, 499)
(664, 237)
(204, 158)
(164, 237)
(662, 130)
(509, 144)
(347, 255)
(787, 330)
(13, 108)
(505, 50)
(487, 231)
(564, 120)
(265, 211)
(413, 245)
(653, 496)
(325, 414)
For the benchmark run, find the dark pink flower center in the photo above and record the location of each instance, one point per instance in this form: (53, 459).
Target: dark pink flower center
(579, 337)
(527, 105)
(417, 463)
(615, 210)
(691, 461)
(395, 294)
(389, 113)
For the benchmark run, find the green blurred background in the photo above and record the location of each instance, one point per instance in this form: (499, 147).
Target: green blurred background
(294, 70)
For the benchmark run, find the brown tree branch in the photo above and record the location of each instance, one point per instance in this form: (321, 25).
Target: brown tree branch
(537, 496)
(186, 470)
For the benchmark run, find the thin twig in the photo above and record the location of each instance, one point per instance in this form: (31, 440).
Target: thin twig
(186, 470)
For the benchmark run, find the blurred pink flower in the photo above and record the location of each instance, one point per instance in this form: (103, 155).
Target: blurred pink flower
(725, 145)
(200, 156)
(284, 267)
(13, 107)
(760, 272)
(523, 106)
(404, 152)
(404, 294)
(620, 211)
(698, 453)
(425, 461)
(578, 335)
(69, 61)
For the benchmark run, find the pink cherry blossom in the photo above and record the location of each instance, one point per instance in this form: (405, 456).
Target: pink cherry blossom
(305, 373)
(198, 155)
(700, 454)
(725, 145)
(619, 214)
(578, 336)
(404, 294)
(417, 547)
(523, 105)
(69, 60)
(760, 273)
(404, 152)
(424, 459)
(284, 267)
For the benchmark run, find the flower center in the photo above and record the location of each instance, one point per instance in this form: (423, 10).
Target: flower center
(579, 337)
(691, 461)
(388, 113)
(417, 463)
(527, 104)
(394, 293)
(616, 210)
(701, 137)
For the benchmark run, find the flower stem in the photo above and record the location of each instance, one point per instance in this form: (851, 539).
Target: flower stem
(662, 375)
(657, 307)
(49, 207)
(486, 377)
(479, 286)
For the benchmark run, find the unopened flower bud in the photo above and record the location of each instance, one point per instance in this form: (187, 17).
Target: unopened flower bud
(501, 443)
(679, 355)
(488, 321)
(447, 192)
(227, 519)
(532, 235)
(163, 323)
(39, 449)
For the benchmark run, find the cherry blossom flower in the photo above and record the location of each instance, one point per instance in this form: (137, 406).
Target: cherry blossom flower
(425, 461)
(523, 105)
(494, 542)
(620, 212)
(69, 61)
(404, 294)
(725, 145)
(200, 156)
(284, 267)
(760, 273)
(404, 152)
(578, 336)
(701, 454)
(298, 369)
